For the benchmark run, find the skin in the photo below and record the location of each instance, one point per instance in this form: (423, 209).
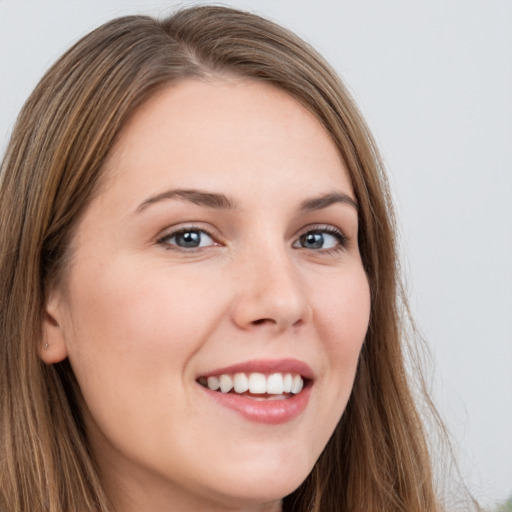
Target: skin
(140, 318)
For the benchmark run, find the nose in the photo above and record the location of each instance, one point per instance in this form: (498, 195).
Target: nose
(271, 293)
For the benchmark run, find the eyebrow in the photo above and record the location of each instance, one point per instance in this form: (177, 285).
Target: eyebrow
(326, 200)
(223, 202)
(201, 198)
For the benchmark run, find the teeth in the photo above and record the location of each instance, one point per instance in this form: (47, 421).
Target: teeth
(275, 384)
(271, 398)
(226, 383)
(287, 383)
(241, 382)
(213, 383)
(257, 383)
(298, 384)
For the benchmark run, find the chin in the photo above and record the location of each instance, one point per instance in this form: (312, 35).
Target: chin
(260, 483)
(253, 492)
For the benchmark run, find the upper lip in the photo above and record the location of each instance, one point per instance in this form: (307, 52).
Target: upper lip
(267, 366)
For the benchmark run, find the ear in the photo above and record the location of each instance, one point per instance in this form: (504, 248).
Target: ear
(53, 348)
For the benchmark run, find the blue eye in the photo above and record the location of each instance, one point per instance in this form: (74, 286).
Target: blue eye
(321, 239)
(188, 239)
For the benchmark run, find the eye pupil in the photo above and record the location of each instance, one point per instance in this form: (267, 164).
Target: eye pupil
(312, 240)
(188, 239)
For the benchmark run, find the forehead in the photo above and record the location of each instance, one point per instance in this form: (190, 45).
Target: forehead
(208, 132)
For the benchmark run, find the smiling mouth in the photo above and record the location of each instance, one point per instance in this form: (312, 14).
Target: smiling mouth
(256, 386)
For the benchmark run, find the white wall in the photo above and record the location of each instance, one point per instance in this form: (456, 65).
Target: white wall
(434, 79)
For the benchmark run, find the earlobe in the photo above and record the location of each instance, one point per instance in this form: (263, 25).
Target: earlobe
(53, 347)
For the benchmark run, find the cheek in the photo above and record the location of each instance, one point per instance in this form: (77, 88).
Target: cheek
(135, 329)
(136, 308)
(344, 310)
(130, 338)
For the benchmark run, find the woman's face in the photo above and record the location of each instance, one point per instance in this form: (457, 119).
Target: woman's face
(221, 250)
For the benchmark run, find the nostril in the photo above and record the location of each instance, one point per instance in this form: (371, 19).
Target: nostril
(263, 321)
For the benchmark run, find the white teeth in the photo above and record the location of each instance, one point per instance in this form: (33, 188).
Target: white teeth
(287, 383)
(275, 384)
(213, 383)
(241, 382)
(276, 397)
(257, 383)
(298, 384)
(226, 383)
(271, 398)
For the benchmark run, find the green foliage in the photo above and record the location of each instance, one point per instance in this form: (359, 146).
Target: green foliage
(505, 506)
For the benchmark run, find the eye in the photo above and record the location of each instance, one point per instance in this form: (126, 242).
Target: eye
(188, 238)
(328, 238)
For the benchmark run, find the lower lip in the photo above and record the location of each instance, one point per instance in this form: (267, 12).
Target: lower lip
(271, 412)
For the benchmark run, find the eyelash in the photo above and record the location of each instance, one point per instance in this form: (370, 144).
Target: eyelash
(164, 240)
(341, 238)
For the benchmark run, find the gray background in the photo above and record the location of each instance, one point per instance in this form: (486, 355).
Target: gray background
(434, 80)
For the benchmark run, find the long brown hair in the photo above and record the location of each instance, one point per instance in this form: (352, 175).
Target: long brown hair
(377, 458)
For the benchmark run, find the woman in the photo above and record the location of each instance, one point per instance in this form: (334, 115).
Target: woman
(199, 295)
